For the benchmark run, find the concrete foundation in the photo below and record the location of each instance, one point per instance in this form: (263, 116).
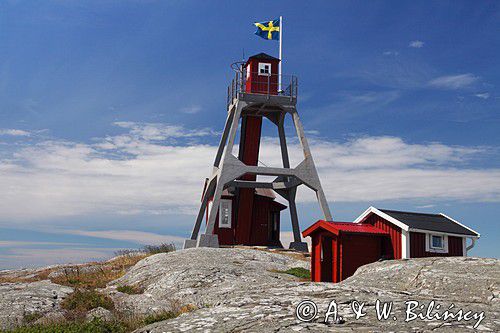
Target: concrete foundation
(299, 246)
(207, 240)
(189, 243)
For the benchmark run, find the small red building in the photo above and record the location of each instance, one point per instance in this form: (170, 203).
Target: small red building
(261, 72)
(338, 249)
(263, 227)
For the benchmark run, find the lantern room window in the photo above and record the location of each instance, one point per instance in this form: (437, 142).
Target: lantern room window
(264, 68)
(225, 212)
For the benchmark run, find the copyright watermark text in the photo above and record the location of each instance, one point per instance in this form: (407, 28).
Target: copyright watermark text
(307, 311)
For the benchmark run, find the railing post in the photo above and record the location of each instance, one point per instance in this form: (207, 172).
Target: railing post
(268, 82)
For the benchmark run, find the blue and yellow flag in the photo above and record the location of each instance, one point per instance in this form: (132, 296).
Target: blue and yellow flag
(268, 29)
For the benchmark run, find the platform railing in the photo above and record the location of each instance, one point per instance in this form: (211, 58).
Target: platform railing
(262, 84)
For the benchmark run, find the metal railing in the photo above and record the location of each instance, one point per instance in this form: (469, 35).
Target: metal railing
(262, 84)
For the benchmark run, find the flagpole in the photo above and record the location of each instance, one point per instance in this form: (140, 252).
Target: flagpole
(281, 53)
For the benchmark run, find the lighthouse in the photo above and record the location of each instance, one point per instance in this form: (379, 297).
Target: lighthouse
(238, 208)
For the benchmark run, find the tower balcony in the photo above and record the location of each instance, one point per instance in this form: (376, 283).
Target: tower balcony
(256, 86)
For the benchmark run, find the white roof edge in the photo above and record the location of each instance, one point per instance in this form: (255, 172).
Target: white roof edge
(385, 216)
(364, 214)
(441, 232)
(466, 227)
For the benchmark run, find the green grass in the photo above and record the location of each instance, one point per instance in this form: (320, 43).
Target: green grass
(160, 316)
(298, 272)
(32, 317)
(82, 300)
(131, 290)
(95, 326)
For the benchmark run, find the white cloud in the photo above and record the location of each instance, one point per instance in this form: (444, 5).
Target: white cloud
(391, 53)
(453, 81)
(191, 109)
(31, 243)
(483, 95)
(151, 170)
(37, 257)
(416, 44)
(139, 237)
(13, 132)
(426, 206)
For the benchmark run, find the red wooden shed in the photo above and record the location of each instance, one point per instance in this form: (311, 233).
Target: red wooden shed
(339, 248)
(416, 235)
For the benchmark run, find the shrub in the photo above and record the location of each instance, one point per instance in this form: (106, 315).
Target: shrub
(159, 316)
(95, 326)
(122, 322)
(298, 272)
(32, 317)
(82, 300)
(131, 290)
(97, 275)
(162, 248)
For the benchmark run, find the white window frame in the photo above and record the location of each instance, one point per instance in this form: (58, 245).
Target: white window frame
(248, 69)
(222, 223)
(430, 248)
(262, 65)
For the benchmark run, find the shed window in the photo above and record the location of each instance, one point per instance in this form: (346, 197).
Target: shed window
(225, 209)
(264, 68)
(437, 242)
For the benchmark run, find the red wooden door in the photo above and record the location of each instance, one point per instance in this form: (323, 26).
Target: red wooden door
(326, 259)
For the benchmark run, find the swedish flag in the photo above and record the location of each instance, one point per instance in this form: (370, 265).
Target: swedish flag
(268, 29)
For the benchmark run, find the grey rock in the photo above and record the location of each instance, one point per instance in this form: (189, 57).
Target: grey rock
(242, 290)
(51, 317)
(199, 276)
(237, 292)
(100, 313)
(18, 300)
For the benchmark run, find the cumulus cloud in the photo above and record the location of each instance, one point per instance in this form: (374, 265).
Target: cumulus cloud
(483, 95)
(36, 257)
(13, 132)
(416, 44)
(191, 109)
(453, 81)
(139, 237)
(391, 53)
(160, 169)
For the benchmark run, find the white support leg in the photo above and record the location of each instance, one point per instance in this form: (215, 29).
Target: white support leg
(313, 173)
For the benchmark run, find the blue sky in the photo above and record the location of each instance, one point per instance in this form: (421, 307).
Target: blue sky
(110, 112)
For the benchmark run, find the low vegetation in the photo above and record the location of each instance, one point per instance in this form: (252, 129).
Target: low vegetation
(83, 300)
(162, 248)
(298, 272)
(131, 290)
(86, 278)
(32, 317)
(121, 324)
(156, 317)
(97, 275)
(94, 326)
(91, 275)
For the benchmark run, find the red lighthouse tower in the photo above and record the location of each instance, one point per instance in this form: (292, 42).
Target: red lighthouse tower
(240, 209)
